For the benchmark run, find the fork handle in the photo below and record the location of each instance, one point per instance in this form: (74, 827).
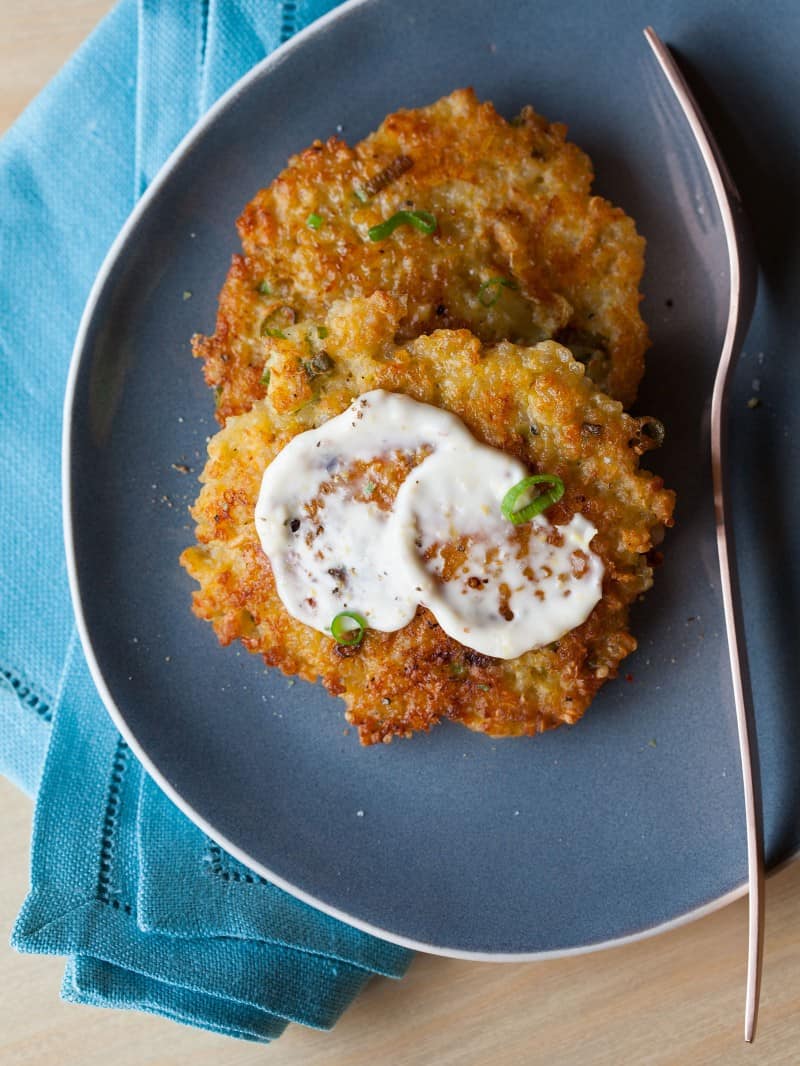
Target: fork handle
(742, 274)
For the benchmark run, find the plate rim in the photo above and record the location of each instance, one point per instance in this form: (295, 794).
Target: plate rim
(113, 256)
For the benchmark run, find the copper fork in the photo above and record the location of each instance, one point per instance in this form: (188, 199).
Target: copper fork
(742, 272)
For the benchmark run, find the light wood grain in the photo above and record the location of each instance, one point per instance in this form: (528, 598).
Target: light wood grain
(669, 1001)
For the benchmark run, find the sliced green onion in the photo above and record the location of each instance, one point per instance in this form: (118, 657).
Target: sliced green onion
(489, 292)
(264, 288)
(360, 194)
(650, 434)
(314, 221)
(348, 628)
(265, 377)
(320, 364)
(539, 503)
(322, 332)
(277, 320)
(424, 221)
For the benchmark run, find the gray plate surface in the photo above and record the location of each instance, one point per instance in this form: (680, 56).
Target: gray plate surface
(631, 819)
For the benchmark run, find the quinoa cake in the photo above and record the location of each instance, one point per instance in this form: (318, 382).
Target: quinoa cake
(505, 239)
(536, 403)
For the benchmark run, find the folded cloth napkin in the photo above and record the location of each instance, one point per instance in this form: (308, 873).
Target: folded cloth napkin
(151, 914)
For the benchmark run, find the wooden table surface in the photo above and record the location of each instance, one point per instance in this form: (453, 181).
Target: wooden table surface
(674, 999)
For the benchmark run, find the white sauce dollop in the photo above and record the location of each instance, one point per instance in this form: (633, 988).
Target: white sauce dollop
(332, 552)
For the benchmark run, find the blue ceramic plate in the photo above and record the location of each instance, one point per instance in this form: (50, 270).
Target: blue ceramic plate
(453, 842)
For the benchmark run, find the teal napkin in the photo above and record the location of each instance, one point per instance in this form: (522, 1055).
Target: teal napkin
(150, 913)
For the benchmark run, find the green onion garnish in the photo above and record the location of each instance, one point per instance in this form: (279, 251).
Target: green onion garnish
(265, 377)
(539, 503)
(360, 194)
(277, 320)
(320, 364)
(264, 288)
(424, 221)
(348, 627)
(322, 332)
(489, 292)
(314, 221)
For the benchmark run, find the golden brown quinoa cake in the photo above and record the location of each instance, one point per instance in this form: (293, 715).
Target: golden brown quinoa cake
(517, 230)
(535, 403)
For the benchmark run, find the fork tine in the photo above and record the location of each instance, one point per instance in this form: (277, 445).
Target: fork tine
(742, 276)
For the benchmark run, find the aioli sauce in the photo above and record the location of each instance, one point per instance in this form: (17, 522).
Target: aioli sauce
(442, 542)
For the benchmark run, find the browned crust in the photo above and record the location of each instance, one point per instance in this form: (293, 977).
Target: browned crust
(535, 403)
(511, 200)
